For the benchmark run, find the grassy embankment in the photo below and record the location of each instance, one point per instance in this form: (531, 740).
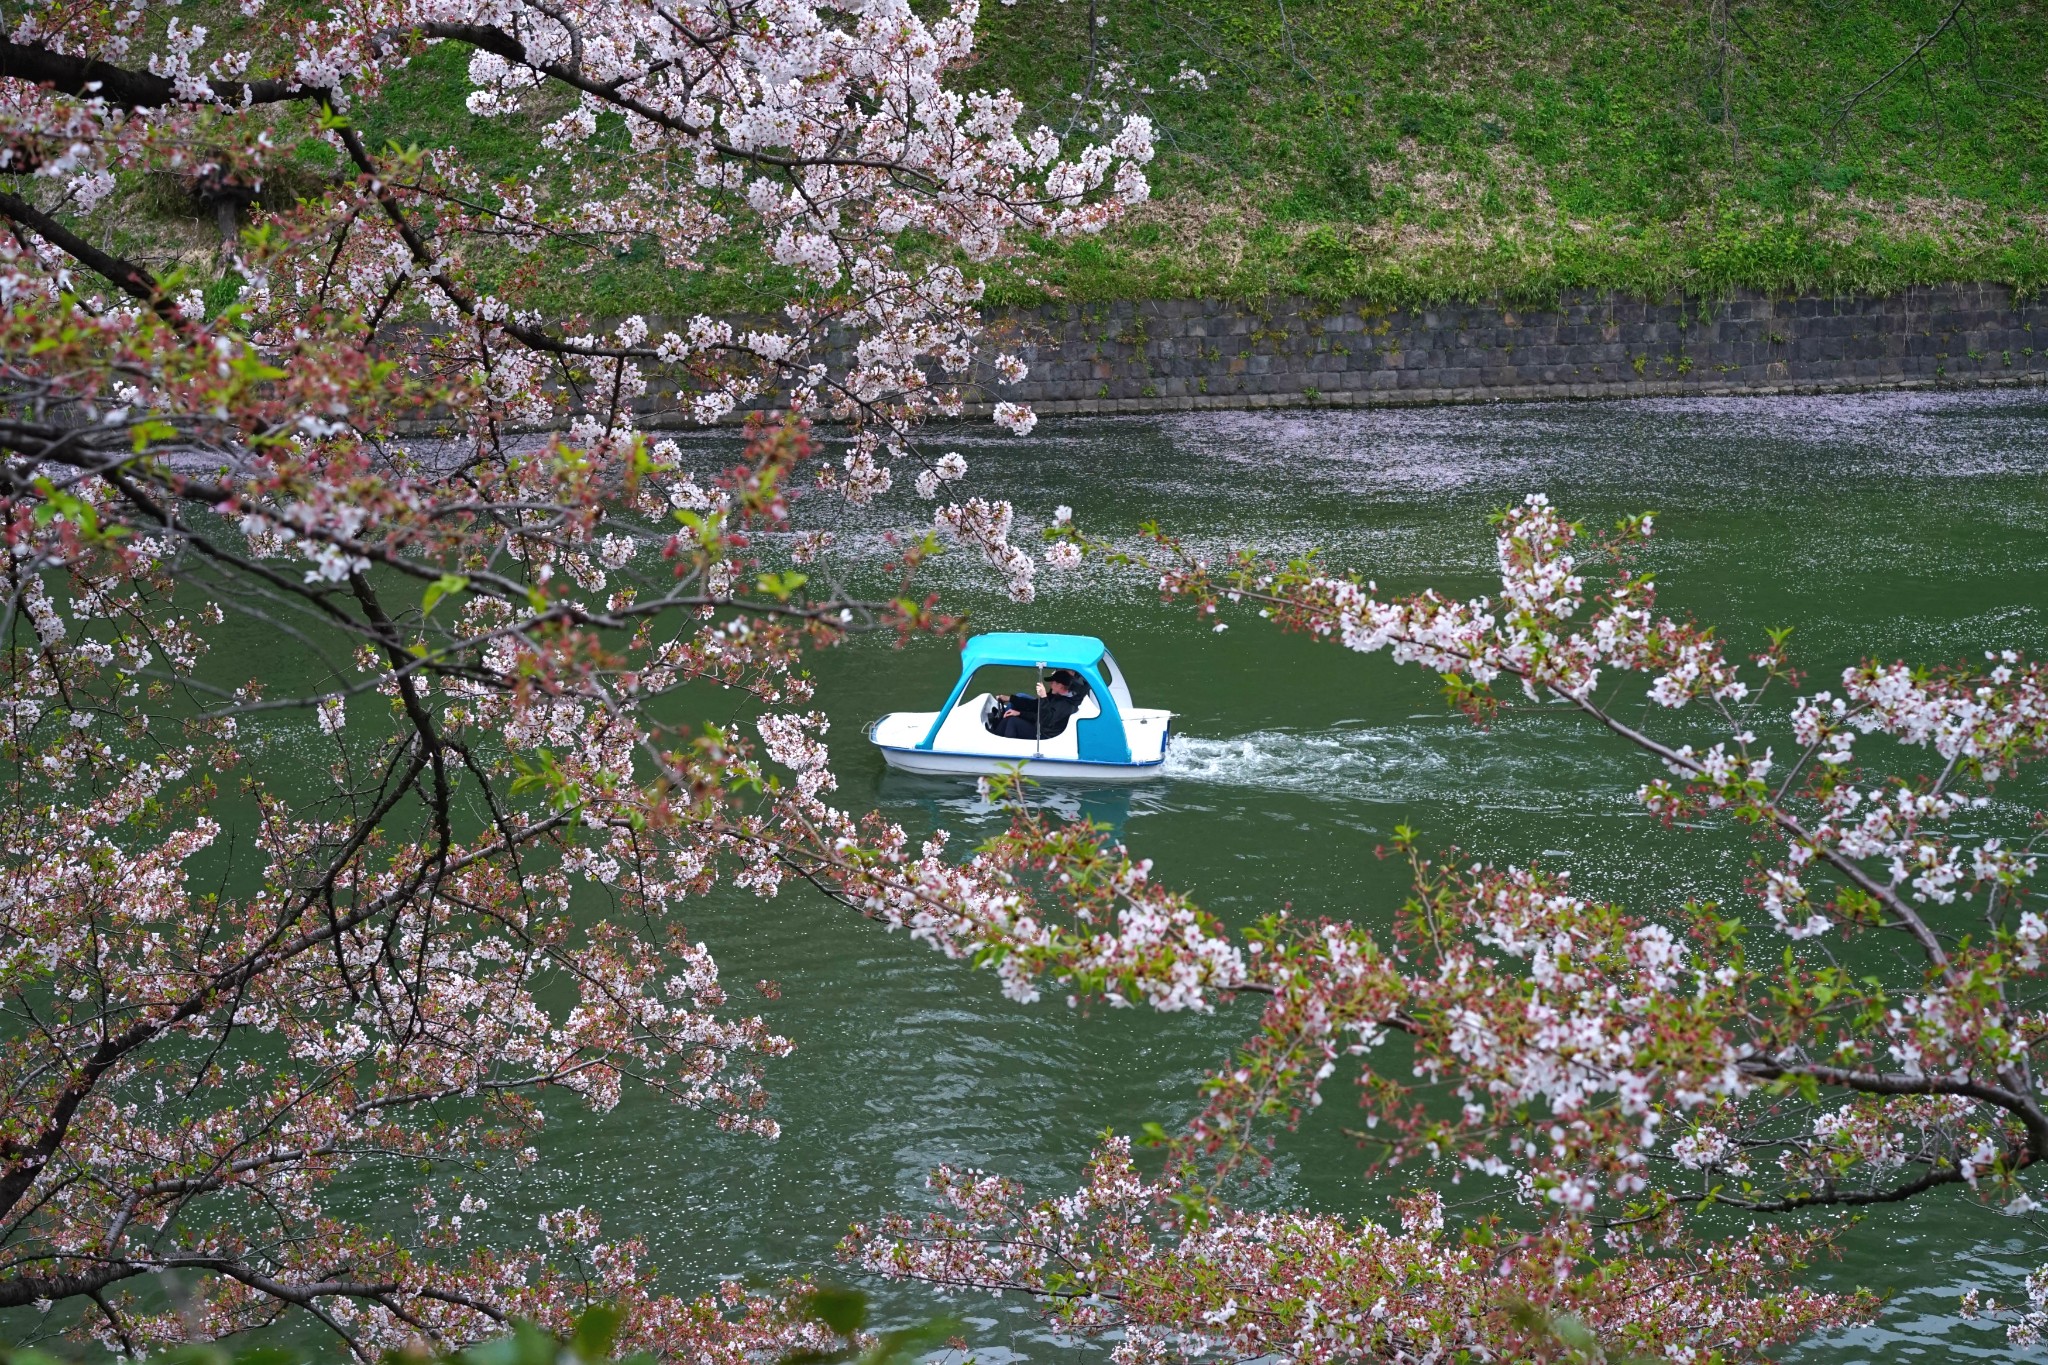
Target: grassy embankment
(1408, 150)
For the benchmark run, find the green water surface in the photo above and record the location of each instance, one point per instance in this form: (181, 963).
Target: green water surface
(1891, 525)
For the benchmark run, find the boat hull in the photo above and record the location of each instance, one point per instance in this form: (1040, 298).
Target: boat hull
(961, 746)
(934, 764)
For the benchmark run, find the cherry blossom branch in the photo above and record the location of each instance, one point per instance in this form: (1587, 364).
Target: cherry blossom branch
(91, 78)
(26, 1158)
(129, 278)
(1908, 918)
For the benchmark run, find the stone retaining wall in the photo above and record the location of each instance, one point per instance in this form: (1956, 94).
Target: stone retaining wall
(1183, 354)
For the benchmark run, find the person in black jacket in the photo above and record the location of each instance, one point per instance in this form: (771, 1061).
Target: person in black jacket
(1044, 716)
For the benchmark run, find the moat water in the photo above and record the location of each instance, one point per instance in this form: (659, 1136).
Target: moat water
(1899, 526)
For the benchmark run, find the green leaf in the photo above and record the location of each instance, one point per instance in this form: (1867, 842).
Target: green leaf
(596, 1332)
(148, 430)
(845, 1311)
(527, 1345)
(1570, 1329)
(440, 588)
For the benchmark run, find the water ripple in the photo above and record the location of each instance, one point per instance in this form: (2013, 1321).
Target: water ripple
(1400, 763)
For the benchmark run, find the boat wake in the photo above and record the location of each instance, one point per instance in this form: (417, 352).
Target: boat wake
(1329, 761)
(1424, 761)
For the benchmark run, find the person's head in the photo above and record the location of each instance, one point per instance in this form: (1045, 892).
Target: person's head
(1066, 680)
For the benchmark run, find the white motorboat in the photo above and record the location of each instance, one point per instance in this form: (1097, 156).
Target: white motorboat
(1109, 738)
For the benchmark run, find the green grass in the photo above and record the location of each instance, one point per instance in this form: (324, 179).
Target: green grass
(1411, 150)
(1407, 151)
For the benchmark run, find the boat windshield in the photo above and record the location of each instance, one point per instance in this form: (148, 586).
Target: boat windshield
(999, 678)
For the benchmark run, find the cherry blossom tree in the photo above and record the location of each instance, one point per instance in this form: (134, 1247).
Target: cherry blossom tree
(234, 979)
(1675, 1105)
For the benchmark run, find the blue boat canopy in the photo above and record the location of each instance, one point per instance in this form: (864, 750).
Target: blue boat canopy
(1099, 738)
(1030, 650)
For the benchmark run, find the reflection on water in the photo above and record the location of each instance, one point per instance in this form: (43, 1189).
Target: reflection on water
(1900, 525)
(956, 803)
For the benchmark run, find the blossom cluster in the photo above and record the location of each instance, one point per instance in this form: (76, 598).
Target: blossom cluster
(403, 949)
(824, 131)
(399, 961)
(1607, 1066)
(1120, 1254)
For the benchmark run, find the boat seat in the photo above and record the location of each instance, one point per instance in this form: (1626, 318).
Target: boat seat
(985, 705)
